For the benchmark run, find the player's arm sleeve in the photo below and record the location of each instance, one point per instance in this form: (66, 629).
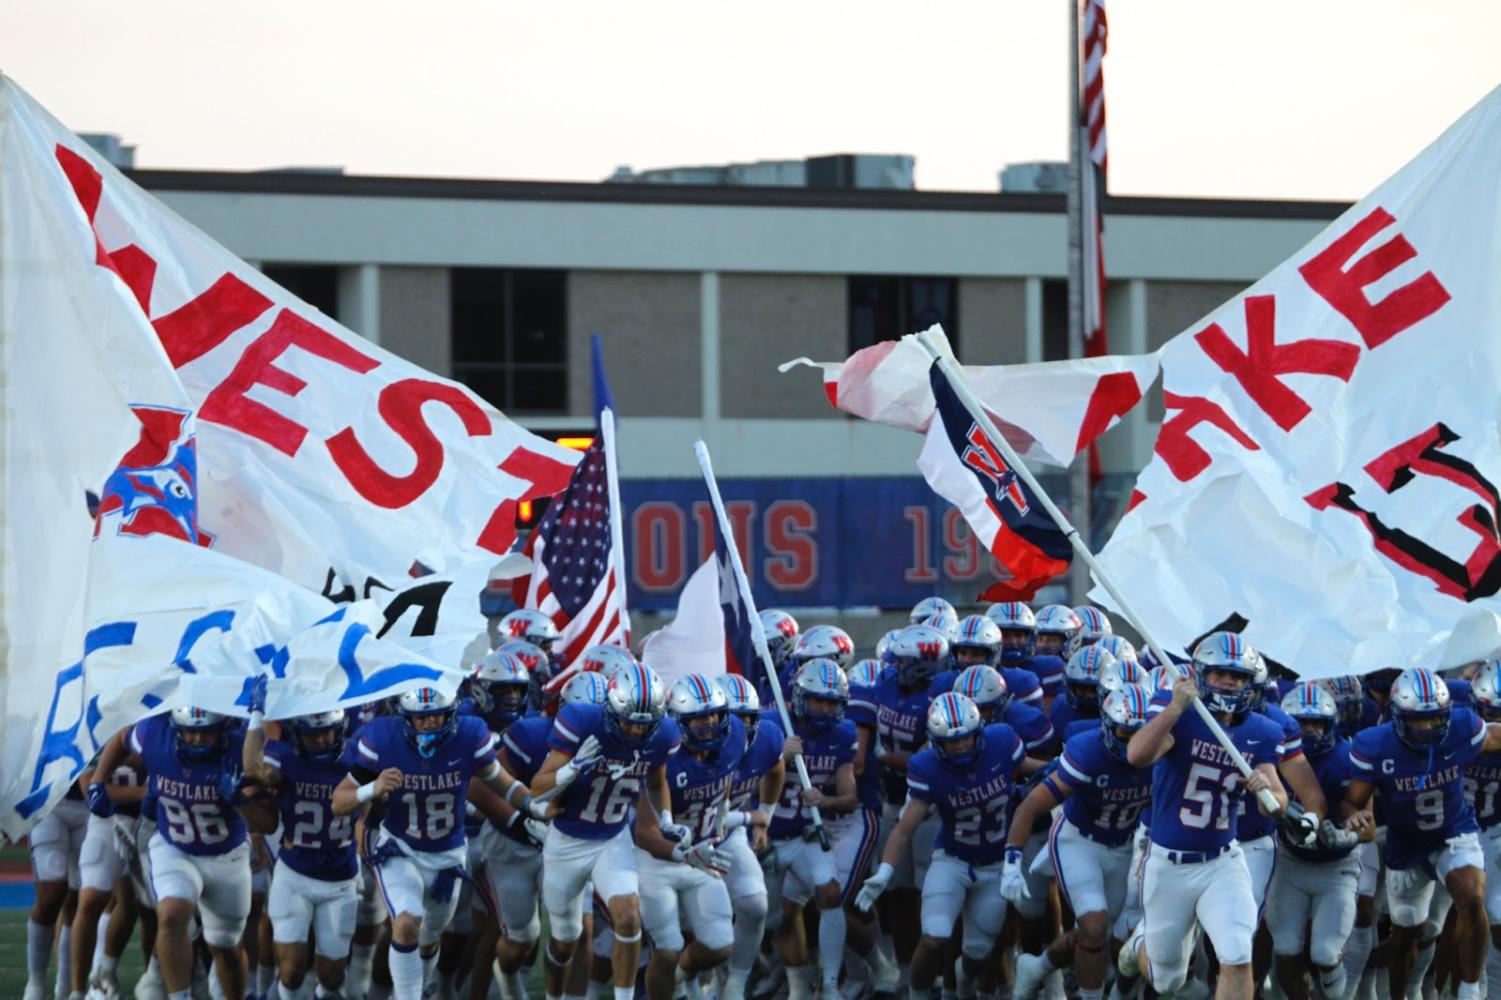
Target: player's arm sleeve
(513, 752)
(919, 781)
(566, 734)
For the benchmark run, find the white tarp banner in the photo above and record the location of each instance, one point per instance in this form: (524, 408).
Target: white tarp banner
(1049, 412)
(320, 451)
(1327, 468)
(319, 458)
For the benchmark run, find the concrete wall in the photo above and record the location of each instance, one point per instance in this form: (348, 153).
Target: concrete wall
(765, 319)
(648, 325)
(992, 321)
(415, 316)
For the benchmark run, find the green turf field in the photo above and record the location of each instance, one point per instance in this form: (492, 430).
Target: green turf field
(13, 960)
(13, 957)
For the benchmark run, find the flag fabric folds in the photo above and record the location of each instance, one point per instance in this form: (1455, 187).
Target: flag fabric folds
(965, 468)
(1327, 468)
(578, 576)
(1049, 412)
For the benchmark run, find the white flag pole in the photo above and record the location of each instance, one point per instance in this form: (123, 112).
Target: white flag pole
(617, 535)
(758, 634)
(977, 410)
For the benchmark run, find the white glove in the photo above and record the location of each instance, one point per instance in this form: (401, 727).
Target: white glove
(674, 831)
(1336, 837)
(705, 857)
(736, 818)
(584, 760)
(1013, 880)
(873, 887)
(535, 829)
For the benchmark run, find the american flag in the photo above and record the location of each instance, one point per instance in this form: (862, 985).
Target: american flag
(575, 578)
(1093, 136)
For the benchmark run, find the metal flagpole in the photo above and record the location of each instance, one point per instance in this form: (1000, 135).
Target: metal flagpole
(1078, 475)
(1081, 548)
(758, 634)
(617, 512)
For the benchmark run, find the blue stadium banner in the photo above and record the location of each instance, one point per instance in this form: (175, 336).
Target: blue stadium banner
(821, 542)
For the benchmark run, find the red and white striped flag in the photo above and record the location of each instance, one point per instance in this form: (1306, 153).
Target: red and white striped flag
(578, 576)
(1092, 134)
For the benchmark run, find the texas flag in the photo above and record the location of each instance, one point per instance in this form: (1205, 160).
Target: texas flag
(712, 631)
(965, 468)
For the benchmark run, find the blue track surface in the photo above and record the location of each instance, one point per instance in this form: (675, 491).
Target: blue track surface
(16, 895)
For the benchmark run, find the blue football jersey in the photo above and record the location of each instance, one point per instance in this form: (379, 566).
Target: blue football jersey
(762, 755)
(190, 815)
(1033, 728)
(525, 746)
(973, 801)
(1196, 789)
(1049, 673)
(314, 842)
(1080, 726)
(603, 801)
(901, 725)
(1332, 768)
(1483, 789)
(1459, 693)
(862, 712)
(1063, 715)
(1021, 684)
(1108, 795)
(427, 811)
(1252, 823)
(1423, 791)
(823, 755)
(699, 786)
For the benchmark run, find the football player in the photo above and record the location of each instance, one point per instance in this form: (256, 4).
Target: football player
(1415, 764)
(316, 882)
(966, 773)
(1090, 843)
(418, 766)
(1314, 885)
(827, 742)
(622, 749)
(1194, 871)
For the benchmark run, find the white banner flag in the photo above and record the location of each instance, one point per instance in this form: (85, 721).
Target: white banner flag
(1049, 412)
(693, 642)
(319, 449)
(1328, 464)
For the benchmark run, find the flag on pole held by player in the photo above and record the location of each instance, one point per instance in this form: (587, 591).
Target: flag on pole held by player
(711, 633)
(578, 572)
(1049, 412)
(1328, 466)
(965, 468)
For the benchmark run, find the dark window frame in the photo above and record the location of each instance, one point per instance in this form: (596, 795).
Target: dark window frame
(503, 364)
(860, 289)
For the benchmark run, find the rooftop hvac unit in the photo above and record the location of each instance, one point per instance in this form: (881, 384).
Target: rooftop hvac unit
(1034, 178)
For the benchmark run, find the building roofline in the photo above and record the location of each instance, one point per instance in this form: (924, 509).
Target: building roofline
(369, 186)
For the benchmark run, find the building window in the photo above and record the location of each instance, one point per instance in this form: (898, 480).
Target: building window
(1054, 319)
(510, 336)
(888, 308)
(315, 284)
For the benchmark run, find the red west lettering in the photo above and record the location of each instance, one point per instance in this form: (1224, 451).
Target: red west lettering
(792, 552)
(1183, 455)
(196, 327)
(227, 403)
(400, 407)
(544, 476)
(1258, 368)
(1342, 283)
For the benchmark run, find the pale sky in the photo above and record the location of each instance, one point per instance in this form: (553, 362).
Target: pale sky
(1268, 99)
